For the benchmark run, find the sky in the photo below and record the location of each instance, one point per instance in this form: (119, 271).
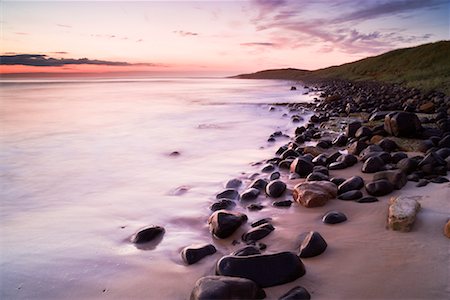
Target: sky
(209, 37)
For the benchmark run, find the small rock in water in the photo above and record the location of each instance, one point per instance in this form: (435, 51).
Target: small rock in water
(313, 245)
(334, 217)
(353, 183)
(296, 293)
(259, 184)
(284, 203)
(274, 176)
(233, 183)
(174, 153)
(255, 206)
(367, 199)
(402, 213)
(247, 251)
(222, 204)
(302, 166)
(193, 254)
(257, 233)
(275, 188)
(250, 194)
(147, 234)
(350, 195)
(268, 168)
(265, 270)
(228, 194)
(260, 222)
(224, 287)
(222, 223)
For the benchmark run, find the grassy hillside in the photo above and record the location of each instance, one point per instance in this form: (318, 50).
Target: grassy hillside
(426, 67)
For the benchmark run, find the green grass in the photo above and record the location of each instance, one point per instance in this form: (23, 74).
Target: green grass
(426, 67)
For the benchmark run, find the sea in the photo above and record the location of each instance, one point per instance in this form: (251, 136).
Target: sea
(85, 163)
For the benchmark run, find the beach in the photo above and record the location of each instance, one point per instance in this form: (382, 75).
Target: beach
(70, 237)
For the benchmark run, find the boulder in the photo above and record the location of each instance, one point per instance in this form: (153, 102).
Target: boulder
(222, 204)
(402, 213)
(351, 128)
(350, 195)
(194, 253)
(313, 245)
(317, 176)
(224, 287)
(334, 217)
(259, 184)
(147, 234)
(265, 270)
(388, 145)
(363, 131)
(407, 165)
(340, 140)
(250, 194)
(373, 164)
(353, 183)
(355, 148)
(228, 194)
(223, 223)
(234, 183)
(314, 193)
(302, 166)
(396, 177)
(275, 188)
(379, 187)
(257, 233)
(274, 175)
(402, 124)
(296, 293)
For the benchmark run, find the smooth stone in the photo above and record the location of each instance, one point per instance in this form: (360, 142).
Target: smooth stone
(402, 124)
(224, 287)
(228, 194)
(255, 206)
(407, 165)
(350, 195)
(268, 168)
(363, 131)
(373, 164)
(351, 128)
(348, 159)
(289, 153)
(337, 165)
(439, 179)
(285, 164)
(340, 140)
(274, 176)
(260, 222)
(223, 224)
(296, 293)
(334, 217)
(301, 166)
(413, 177)
(265, 270)
(259, 184)
(321, 169)
(402, 213)
(314, 193)
(367, 199)
(284, 203)
(313, 244)
(422, 182)
(147, 234)
(355, 148)
(320, 160)
(247, 251)
(275, 188)
(379, 188)
(353, 183)
(257, 233)
(388, 145)
(317, 176)
(250, 194)
(432, 159)
(396, 177)
(193, 254)
(233, 183)
(222, 204)
(337, 180)
(398, 156)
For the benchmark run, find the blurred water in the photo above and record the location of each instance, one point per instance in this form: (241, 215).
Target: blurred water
(86, 163)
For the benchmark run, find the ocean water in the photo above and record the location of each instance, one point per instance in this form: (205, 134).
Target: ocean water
(86, 163)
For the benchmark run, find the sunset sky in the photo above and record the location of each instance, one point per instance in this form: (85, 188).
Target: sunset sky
(210, 37)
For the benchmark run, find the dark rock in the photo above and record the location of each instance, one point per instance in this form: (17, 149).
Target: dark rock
(402, 124)
(321, 169)
(259, 184)
(296, 293)
(367, 199)
(337, 180)
(439, 179)
(356, 147)
(228, 194)
(407, 165)
(445, 142)
(413, 177)
(396, 177)
(275, 188)
(388, 145)
(302, 166)
(193, 254)
(316, 176)
(432, 159)
(325, 144)
(260, 222)
(224, 287)
(379, 188)
(265, 270)
(422, 182)
(353, 183)
(337, 165)
(222, 223)
(313, 245)
(284, 203)
(351, 129)
(255, 206)
(333, 156)
(281, 150)
(348, 159)
(147, 234)
(247, 251)
(377, 116)
(350, 195)
(285, 164)
(363, 131)
(320, 160)
(398, 156)
(289, 153)
(372, 165)
(257, 233)
(222, 204)
(268, 168)
(370, 149)
(443, 152)
(274, 176)
(250, 194)
(334, 217)
(233, 183)
(340, 140)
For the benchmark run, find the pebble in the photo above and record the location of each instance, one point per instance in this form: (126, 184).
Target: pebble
(334, 217)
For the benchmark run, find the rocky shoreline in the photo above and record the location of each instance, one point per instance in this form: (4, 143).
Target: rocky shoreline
(394, 134)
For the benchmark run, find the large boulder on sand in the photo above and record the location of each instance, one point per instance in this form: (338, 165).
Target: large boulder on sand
(224, 287)
(402, 213)
(402, 124)
(314, 193)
